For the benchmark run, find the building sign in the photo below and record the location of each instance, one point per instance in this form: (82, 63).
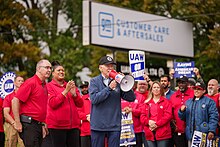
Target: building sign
(127, 29)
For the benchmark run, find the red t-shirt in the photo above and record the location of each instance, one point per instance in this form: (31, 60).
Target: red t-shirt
(33, 96)
(1, 115)
(7, 102)
(153, 110)
(216, 98)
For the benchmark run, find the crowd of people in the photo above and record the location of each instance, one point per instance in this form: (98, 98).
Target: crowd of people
(59, 114)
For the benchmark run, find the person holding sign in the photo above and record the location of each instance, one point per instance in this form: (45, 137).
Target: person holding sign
(200, 114)
(12, 136)
(156, 114)
(105, 96)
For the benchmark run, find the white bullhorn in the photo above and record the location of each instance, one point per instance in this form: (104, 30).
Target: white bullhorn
(126, 82)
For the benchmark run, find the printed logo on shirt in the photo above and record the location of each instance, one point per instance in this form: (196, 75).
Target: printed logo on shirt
(203, 106)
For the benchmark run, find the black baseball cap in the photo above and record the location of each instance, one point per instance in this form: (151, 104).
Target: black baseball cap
(182, 79)
(84, 83)
(106, 60)
(199, 85)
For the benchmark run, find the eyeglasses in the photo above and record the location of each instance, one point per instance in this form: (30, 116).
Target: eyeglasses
(47, 67)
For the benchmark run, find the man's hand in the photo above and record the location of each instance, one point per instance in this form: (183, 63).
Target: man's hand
(18, 126)
(113, 84)
(88, 117)
(210, 136)
(182, 108)
(45, 131)
(127, 110)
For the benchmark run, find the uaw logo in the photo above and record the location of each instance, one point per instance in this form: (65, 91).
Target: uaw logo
(106, 25)
(6, 84)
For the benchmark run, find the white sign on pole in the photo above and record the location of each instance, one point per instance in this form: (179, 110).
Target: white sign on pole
(137, 64)
(128, 29)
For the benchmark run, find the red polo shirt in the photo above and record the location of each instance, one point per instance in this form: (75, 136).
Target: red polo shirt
(178, 99)
(1, 116)
(33, 96)
(216, 98)
(7, 102)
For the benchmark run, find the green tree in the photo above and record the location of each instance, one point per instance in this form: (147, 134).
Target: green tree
(19, 47)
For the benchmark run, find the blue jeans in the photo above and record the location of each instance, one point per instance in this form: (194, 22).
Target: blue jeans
(158, 143)
(98, 137)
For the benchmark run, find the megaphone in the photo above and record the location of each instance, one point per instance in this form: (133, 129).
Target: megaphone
(126, 82)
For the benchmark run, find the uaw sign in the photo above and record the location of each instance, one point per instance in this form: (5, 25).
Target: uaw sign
(200, 140)
(6, 84)
(127, 137)
(137, 64)
(184, 69)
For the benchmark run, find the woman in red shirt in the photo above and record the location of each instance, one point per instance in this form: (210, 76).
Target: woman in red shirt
(62, 116)
(156, 114)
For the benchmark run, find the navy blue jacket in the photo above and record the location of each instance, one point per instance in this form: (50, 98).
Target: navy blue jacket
(169, 93)
(106, 105)
(200, 115)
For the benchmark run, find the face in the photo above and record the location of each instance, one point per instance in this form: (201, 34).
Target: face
(18, 81)
(182, 86)
(164, 82)
(44, 69)
(198, 92)
(142, 86)
(156, 89)
(212, 87)
(59, 73)
(84, 90)
(105, 69)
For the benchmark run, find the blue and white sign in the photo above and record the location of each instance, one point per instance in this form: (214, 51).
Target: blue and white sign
(7, 84)
(184, 69)
(200, 140)
(127, 29)
(137, 64)
(127, 130)
(106, 28)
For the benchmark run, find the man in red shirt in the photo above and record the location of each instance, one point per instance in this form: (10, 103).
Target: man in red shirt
(12, 136)
(84, 115)
(30, 106)
(213, 93)
(178, 99)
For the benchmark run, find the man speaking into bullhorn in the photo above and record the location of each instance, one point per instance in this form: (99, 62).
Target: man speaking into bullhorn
(106, 94)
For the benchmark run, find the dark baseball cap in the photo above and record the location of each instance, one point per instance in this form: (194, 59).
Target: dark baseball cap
(182, 79)
(199, 85)
(106, 60)
(84, 83)
(192, 81)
